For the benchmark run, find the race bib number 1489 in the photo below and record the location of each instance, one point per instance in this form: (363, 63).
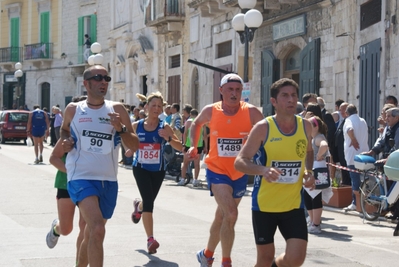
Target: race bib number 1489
(229, 147)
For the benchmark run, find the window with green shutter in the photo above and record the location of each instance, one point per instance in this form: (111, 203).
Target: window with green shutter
(86, 25)
(45, 32)
(14, 34)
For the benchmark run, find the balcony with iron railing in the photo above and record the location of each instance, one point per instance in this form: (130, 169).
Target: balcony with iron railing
(162, 12)
(38, 53)
(10, 55)
(210, 8)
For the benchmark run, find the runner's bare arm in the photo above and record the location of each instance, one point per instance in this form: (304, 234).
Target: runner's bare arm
(196, 127)
(65, 130)
(47, 123)
(69, 113)
(121, 117)
(56, 156)
(167, 133)
(308, 176)
(309, 149)
(29, 125)
(243, 161)
(255, 114)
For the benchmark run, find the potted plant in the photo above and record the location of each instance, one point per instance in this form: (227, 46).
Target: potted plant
(342, 194)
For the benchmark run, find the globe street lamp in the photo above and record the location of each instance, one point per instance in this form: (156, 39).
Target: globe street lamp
(18, 74)
(96, 58)
(245, 24)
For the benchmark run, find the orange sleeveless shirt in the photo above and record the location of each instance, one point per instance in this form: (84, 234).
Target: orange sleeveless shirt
(227, 136)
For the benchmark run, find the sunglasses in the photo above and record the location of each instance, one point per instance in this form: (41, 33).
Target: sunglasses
(99, 78)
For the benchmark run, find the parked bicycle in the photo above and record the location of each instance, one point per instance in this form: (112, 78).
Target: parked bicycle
(375, 196)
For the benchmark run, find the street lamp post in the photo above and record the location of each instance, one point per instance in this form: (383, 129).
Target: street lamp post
(245, 24)
(96, 58)
(18, 74)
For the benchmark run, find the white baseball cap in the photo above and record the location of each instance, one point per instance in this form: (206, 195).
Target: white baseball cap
(231, 77)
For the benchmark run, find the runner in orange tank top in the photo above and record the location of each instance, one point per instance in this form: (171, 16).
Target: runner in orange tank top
(230, 121)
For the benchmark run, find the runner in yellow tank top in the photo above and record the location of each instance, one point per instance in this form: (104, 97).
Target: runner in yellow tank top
(230, 122)
(279, 152)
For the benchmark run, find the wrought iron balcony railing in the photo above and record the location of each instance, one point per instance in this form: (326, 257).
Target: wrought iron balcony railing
(164, 11)
(38, 51)
(10, 54)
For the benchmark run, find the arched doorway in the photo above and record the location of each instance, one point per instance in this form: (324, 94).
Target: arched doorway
(45, 96)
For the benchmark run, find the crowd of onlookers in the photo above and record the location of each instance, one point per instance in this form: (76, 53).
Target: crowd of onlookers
(347, 136)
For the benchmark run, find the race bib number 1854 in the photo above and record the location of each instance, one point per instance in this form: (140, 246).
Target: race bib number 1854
(149, 153)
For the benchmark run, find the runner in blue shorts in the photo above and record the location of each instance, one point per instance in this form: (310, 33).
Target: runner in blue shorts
(38, 124)
(229, 121)
(91, 133)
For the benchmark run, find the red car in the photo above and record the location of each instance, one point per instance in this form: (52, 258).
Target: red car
(13, 125)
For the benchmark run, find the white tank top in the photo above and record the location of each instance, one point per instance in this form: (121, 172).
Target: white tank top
(95, 154)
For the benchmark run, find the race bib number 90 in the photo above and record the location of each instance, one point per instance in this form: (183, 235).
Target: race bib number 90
(96, 142)
(229, 147)
(149, 153)
(290, 171)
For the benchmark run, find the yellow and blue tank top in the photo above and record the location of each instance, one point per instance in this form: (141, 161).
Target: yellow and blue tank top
(288, 153)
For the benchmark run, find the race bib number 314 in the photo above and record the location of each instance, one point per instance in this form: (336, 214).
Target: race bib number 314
(229, 147)
(290, 171)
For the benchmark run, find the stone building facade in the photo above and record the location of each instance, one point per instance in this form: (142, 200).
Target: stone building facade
(335, 48)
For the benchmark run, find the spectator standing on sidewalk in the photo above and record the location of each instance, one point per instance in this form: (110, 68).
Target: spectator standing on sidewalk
(91, 133)
(230, 121)
(313, 202)
(339, 153)
(149, 164)
(201, 148)
(283, 162)
(38, 124)
(57, 122)
(355, 132)
(177, 120)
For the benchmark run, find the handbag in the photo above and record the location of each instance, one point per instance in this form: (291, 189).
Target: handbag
(322, 178)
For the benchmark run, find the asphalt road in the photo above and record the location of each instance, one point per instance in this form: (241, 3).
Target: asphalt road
(182, 219)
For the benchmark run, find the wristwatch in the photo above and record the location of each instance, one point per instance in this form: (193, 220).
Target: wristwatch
(124, 130)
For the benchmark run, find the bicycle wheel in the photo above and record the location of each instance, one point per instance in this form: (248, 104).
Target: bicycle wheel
(188, 179)
(369, 202)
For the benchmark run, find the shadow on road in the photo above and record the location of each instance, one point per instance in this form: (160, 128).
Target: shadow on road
(155, 261)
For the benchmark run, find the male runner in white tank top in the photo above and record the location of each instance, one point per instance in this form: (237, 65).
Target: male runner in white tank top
(91, 132)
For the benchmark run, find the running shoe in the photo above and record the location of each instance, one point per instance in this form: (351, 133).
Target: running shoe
(36, 161)
(351, 207)
(40, 158)
(152, 246)
(51, 238)
(182, 182)
(313, 229)
(204, 261)
(136, 215)
(196, 183)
